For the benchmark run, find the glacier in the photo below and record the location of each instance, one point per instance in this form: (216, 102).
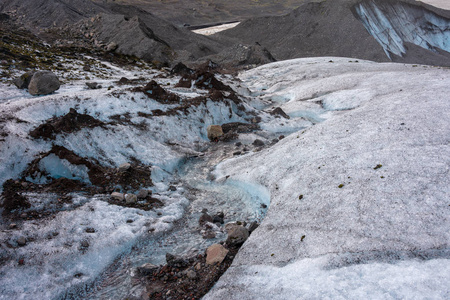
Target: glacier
(393, 24)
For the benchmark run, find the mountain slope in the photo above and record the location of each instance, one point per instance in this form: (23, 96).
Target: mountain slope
(335, 28)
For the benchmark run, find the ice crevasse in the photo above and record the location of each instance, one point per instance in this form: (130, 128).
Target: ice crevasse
(394, 24)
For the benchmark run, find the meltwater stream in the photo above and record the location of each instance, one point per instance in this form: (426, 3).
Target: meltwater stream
(237, 200)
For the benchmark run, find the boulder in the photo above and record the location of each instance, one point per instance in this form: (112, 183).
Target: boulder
(214, 132)
(215, 254)
(23, 81)
(43, 83)
(238, 235)
(117, 196)
(130, 198)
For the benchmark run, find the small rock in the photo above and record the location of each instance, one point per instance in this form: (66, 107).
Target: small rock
(21, 241)
(117, 196)
(147, 269)
(205, 218)
(12, 225)
(111, 47)
(215, 254)
(263, 205)
(218, 218)
(43, 83)
(208, 235)
(198, 266)
(21, 262)
(172, 188)
(258, 143)
(253, 226)
(279, 112)
(230, 226)
(93, 85)
(124, 167)
(124, 80)
(142, 194)
(191, 274)
(84, 245)
(237, 235)
(90, 230)
(130, 198)
(24, 184)
(214, 132)
(238, 144)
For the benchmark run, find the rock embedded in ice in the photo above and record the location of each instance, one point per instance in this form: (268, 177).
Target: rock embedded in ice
(215, 254)
(43, 83)
(21, 241)
(117, 196)
(124, 167)
(93, 85)
(130, 198)
(258, 143)
(214, 132)
(279, 112)
(237, 235)
(205, 218)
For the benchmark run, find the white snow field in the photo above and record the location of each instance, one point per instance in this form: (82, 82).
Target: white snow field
(215, 29)
(360, 202)
(445, 4)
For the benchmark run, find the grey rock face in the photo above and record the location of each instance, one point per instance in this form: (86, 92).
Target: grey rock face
(43, 83)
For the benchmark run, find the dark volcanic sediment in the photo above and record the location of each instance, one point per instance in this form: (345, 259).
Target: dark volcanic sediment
(335, 28)
(380, 30)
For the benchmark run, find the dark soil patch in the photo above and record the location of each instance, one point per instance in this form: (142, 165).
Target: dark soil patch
(182, 70)
(155, 91)
(203, 79)
(71, 122)
(103, 179)
(172, 282)
(148, 203)
(214, 95)
(12, 200)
